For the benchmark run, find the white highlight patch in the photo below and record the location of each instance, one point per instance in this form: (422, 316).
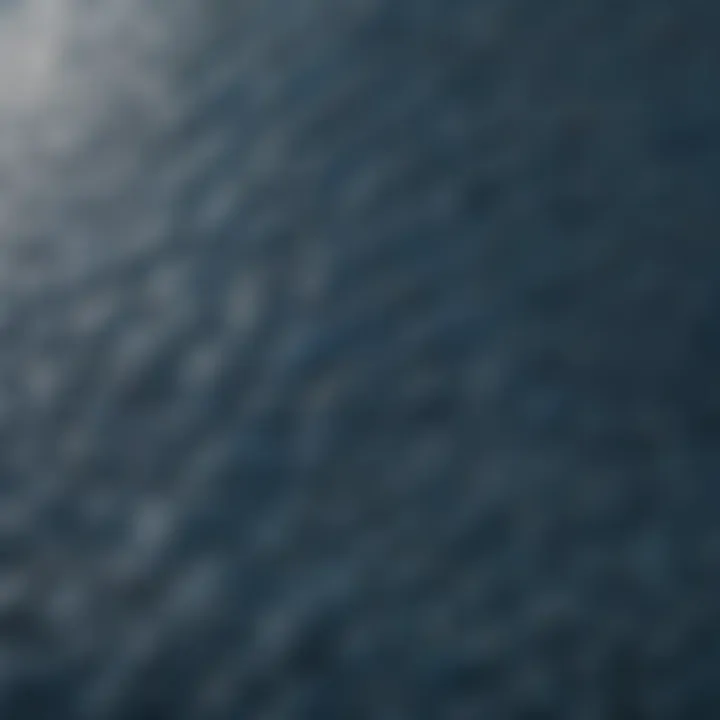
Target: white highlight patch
(33, 37)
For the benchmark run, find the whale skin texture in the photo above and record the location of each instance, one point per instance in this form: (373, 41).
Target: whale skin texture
(359, 359)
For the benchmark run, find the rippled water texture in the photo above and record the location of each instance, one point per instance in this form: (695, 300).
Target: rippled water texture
(358, 359)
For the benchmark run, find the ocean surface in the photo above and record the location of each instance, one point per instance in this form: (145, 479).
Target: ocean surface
(358, 359)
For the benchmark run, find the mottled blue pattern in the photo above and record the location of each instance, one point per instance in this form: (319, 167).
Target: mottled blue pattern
(359, 359)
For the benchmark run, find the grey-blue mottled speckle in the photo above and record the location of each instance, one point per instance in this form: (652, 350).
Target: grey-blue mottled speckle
(359, 359)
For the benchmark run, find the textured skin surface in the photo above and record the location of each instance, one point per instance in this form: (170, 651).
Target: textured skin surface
(359, 358)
